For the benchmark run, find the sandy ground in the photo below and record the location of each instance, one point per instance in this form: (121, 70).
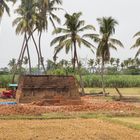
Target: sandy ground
(73, 129)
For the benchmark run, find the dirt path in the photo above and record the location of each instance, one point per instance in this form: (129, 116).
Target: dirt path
(72, 129)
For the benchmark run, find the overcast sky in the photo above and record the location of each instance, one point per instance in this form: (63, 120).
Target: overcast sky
(126, 12)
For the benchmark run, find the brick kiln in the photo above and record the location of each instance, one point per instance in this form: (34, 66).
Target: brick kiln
(49, 88)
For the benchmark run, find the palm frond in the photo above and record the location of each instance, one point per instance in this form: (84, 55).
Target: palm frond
(112, 46)
(95, 37)
(59, 39)
(137, 34)
(6, 8)
(137, 43)
(87, 27)
(78, 40)
(138, 53)
(55, 17)
(60, 30)
(80, 23)
(59, 2)
(88, 44)
(116, 42)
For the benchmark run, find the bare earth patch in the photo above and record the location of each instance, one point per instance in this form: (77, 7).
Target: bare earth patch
(88, 104)
(77, 129)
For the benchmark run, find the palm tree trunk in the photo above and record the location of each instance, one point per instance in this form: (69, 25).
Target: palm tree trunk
(42, 63)
(37, 52)
(18, 62)
(79, 72)
(30, 67)
(74, 57)
(20, 59)
(102, 76)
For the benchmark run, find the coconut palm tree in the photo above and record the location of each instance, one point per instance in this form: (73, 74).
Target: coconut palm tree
(105, 42)
(70, 38)
(24, 26)
(137, 44)
(45, 13)
(12, 64)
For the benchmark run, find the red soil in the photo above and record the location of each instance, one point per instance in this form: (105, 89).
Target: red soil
(87, 104)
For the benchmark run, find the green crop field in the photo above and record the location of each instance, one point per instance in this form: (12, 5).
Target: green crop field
(119, 81)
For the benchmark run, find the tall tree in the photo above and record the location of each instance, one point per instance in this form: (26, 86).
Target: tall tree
(46, 10)
(70, 38)
(105, 42)
(25, 23)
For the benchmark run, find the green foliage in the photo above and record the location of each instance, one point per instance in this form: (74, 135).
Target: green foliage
(120, 81)
(4, 80)
(132, 71)
(57, 72)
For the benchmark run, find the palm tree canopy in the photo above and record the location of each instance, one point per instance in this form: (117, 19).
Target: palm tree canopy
(27, 16)
(104, 40)
(107, 25)
(137, 43)
(71, 33)
(46, 9)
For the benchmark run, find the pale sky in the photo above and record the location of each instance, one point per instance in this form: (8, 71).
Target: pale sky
(126, 12)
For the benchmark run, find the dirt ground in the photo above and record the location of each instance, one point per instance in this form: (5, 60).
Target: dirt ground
(77, 129)
(67, 129)
(88, 104)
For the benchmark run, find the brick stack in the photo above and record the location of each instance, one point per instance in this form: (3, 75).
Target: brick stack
(55, 89)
